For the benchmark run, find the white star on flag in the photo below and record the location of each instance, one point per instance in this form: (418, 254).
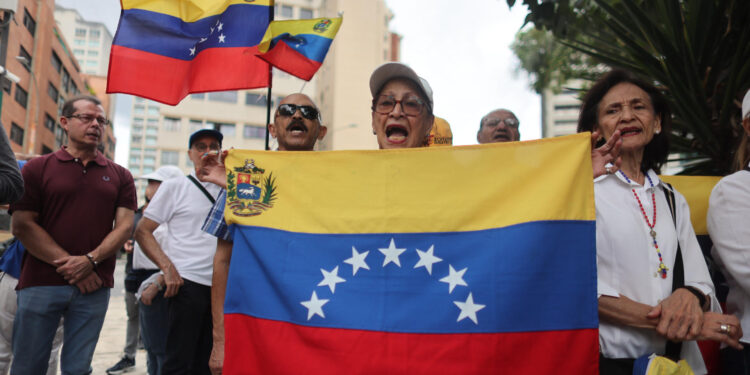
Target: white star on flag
(427, 259)
(221, 26)
(468, 309)
(357, 261)
(314, 306)
(331, 278)
(212, 31)
(221, 38)
(203, 40)
(391, 254)
(454, 278)
(192, 51)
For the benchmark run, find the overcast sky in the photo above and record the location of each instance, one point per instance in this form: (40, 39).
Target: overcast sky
(461, 48)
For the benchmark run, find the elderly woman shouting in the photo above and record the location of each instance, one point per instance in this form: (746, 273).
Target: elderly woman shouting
(655, 292)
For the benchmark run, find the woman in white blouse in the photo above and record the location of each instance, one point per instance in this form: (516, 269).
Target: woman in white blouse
(728, 211)
(637, 239)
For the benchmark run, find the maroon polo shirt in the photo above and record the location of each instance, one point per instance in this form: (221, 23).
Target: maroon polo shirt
(76, 206)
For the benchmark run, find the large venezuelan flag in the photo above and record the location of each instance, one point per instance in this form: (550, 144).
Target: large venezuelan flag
(450, 260)
(166, 49)
(299, 47)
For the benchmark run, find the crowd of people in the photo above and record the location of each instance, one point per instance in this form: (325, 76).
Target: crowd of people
(78, 209)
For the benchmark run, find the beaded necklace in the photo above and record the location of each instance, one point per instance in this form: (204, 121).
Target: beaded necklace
(662, 270)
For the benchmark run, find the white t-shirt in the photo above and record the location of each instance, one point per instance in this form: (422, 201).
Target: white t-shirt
(140, 260)
(183, 207)
(627, 261)
(728, 211)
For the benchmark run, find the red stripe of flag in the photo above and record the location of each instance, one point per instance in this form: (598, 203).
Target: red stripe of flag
(169, 80)
(260, 346)
(287, 59)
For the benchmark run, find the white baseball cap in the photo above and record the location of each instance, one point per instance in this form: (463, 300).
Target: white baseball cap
(164, 173)
(746, 105)
(390, 70)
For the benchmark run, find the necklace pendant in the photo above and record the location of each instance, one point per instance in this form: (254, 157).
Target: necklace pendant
(653, 234)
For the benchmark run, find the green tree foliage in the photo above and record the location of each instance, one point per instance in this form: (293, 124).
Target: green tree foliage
(697, 51)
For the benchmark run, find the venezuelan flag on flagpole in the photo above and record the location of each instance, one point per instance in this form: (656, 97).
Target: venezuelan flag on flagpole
(165, 49)
(450, 260)
(299, 47)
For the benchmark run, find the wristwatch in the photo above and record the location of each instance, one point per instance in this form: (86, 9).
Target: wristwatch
(91, 259)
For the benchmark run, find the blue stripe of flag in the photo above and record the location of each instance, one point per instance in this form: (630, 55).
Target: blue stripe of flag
(314, 47)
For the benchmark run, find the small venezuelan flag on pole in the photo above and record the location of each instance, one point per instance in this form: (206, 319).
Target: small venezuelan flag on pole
(299, 47)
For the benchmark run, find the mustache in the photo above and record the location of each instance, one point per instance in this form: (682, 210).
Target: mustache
(296, 123)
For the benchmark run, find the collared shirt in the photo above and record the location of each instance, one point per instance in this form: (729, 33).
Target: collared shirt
(728, 212)
(627, 260)
(183, 206)
(76, 204)
(215, 224)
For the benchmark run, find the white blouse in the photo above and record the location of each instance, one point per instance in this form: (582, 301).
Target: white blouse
(627, 261)
(729, 227)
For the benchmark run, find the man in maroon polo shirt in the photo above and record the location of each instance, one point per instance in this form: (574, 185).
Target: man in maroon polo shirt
(76, 212)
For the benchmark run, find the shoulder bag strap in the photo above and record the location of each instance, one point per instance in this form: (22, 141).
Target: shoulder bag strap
(203, 189)
(673, 349)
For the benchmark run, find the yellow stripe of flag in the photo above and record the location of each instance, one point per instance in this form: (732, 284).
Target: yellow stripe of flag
(697, 191)
(188, 10)
(418, 190)
(296, 27)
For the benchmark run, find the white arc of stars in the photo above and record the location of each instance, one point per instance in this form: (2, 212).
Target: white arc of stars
(391, 254)
(468, 309)
(314, 306)
(427, 259)
(454, 278)
(331, 278)
(357, 260)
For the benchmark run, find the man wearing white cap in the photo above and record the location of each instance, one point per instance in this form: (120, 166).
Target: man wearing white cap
(137, 269)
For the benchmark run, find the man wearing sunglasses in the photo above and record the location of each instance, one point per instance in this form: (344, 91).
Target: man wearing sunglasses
(76, 212)
(296, 127)
(500, 125)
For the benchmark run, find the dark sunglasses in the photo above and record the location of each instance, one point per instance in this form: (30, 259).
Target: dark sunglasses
(308, 112)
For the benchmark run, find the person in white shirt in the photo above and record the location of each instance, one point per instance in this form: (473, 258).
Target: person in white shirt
(183, 204)
(728, 210)
(639, 307)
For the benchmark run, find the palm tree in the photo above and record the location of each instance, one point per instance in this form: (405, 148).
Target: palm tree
(697, 51)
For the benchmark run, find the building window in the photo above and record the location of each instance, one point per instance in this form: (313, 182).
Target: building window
(94, 34)
(223, 96)
(227, 129)
(49, 122)
(153, 122)
(74, 88)
(150, 141)
(79, 42)
(21, 96)
(137, 129)
(153, 111)
(199, 96)
(170, 158)
(81, 33)
(567, 107)
(195, 125)
(53, 93)
(46, 150)
(59, 136)
(29, 22)
(65, 80)
(251, 131)
(152, 130)
(135, 169)
(56, 62)
(16, 133)
(135, 159)
(26, 55)
(305, 13)
(256, 99)
(92, 63)
(150, 160)
(92, 53)
(286, 11)
(148, 169)
(136, 139)
(94, 43)
(138, 99)
(135, 150)
(171, 124)
(78, 53)
(139, 110)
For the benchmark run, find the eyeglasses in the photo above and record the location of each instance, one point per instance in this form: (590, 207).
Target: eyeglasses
(202, 147)
(410, 105)
(509, 121)
(308, 112)
(86, 119)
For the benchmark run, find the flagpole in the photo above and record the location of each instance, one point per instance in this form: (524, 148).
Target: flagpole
(270, 83)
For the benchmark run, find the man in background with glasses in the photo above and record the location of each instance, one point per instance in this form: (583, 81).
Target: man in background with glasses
(182, 204)
(75, 214)
(500, 125)
(296, 127)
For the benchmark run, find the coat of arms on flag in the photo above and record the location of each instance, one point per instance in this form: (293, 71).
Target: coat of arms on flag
(250, 191)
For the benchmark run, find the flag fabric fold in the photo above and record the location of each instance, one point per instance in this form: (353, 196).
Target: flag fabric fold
(299, 47)
(164, 50)
(417, 261)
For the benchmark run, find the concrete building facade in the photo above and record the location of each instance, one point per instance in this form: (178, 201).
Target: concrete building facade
(91, 41)
(560, 110)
